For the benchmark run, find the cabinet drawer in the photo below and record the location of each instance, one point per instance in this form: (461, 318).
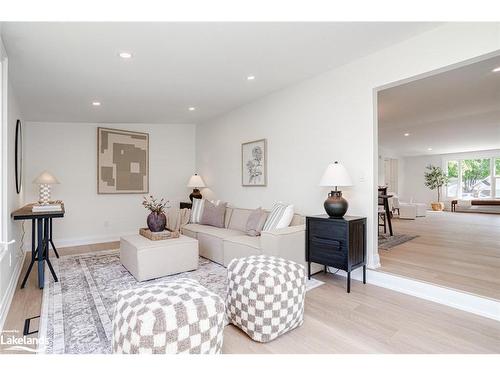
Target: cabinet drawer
(327, 251)
(327, 230)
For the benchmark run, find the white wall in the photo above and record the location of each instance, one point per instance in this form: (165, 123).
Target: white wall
(329, 117)
(68, 150)
(11, 259)
(414, 188)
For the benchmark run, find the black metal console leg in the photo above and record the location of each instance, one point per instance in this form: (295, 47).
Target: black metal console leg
(309, 270)
(364, 274)
(47, 249)
(50, 239)
(349, 282)
(40, 257)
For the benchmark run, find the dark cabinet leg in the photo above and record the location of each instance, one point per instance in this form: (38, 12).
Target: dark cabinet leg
(309, 270)
(364, 274)
(349, 282)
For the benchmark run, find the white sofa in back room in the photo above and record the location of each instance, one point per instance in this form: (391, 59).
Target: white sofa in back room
(222, 245)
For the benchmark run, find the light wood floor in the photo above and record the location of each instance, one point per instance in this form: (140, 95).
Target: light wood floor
(368, 320)
(455, 250)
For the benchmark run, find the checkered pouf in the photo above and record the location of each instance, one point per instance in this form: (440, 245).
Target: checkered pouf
(177, 317)
(265, 296)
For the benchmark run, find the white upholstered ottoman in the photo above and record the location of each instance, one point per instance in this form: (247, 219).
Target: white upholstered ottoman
(176, 317)
(265, 296)
(146, 259)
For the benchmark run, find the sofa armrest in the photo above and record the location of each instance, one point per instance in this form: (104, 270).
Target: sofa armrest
(287, 243)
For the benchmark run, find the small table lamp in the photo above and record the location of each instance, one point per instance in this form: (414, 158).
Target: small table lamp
(195, 182)
(45, 179)
(335, 175)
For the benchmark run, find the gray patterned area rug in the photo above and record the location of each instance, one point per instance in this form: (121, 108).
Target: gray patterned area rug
(386, 242)
(77, 311)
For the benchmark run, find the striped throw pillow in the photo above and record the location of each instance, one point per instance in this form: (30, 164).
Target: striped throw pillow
(196, 211)
(280, 217)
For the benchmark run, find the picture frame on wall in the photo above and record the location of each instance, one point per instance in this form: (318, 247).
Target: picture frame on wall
(122, 161)
(254, 163)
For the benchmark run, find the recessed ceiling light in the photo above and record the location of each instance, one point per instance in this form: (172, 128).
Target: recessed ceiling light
(496, 70)
(429, 149)
(125, 55)
(96, 104)
(250, 78)
(407, 134)
(192, 108)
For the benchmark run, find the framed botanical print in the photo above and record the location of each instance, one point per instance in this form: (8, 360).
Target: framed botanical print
(122, 162)
(254, 163)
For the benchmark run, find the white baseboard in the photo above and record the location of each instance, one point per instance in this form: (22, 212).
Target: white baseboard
(66, 242)
(11, 289)
(474, 304)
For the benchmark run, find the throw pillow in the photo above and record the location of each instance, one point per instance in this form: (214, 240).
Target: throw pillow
(255, 222)
(213, 214)
(196, 211)
(280, 217)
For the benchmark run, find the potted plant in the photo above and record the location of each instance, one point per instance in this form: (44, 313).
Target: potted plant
(435, 178)
(157, 221)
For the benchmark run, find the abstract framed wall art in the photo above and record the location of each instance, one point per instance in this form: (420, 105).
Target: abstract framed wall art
(254, 163)
(122, 162)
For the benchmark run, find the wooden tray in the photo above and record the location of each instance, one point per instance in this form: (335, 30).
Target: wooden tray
(158, 236)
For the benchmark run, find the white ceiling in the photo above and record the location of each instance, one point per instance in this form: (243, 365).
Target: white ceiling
(58, 69)
(454, 111)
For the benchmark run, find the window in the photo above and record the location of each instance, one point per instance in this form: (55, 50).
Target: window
(452, 188)
(473, 178)
(497, 177)
(476, 178)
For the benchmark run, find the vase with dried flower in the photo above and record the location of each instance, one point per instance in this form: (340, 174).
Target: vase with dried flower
(157, 221)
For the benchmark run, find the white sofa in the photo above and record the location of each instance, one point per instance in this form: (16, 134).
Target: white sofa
(222, 245)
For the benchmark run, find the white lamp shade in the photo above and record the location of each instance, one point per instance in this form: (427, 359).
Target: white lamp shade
(45, 178)
(196, 182)
(335, 175)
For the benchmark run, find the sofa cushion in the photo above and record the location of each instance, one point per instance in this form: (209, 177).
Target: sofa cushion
(245, 240)
(280, 217)
(240, 247)
(196, 210)
(213, 231)
(239, 219)
(255, 222)
(213, 214)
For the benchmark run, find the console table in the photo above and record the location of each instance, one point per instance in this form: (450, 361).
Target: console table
(339, 243)
(41, 238)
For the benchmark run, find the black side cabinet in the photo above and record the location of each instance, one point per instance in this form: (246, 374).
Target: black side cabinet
(339, 243)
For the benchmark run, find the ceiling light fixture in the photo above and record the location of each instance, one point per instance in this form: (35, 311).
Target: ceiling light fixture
(407, 134)
(192, 108)
(250, 78)
(429, 149)
(496, 70)
(125, 55)
(96, 104)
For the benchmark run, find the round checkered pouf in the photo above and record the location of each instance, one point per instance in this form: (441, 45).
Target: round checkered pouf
(177, 317)
(265, 296)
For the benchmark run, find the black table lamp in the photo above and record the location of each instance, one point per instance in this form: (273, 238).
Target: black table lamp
(335, 175)
(196, 182)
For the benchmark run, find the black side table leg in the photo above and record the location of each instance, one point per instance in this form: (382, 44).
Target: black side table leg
(50, 238)
(309, 270)
(47, 249)
(349, 282)
(364, 274)
(40, 257)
